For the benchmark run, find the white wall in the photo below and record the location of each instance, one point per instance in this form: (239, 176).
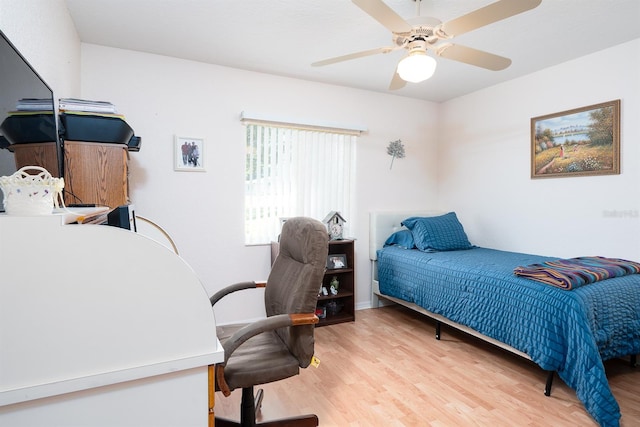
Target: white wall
(43, 32)
(163, 97)
(485, 152)
(48, 41)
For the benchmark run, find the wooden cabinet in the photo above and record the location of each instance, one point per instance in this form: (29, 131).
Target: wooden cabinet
(96, 173)
(338, 308)
(43, 154)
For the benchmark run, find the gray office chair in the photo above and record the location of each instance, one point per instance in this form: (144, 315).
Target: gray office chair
(276, 347)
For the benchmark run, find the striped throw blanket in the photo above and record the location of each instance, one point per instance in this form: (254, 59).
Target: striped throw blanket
(575, 272)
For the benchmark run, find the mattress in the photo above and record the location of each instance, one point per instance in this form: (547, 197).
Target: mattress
(568, 331)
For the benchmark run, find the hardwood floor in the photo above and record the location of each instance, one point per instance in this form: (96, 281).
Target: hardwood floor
(387, 369)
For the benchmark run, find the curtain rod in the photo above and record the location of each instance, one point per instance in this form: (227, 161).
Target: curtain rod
(246, 117)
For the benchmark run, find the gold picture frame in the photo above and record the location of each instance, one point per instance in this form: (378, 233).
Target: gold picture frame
(580, 142)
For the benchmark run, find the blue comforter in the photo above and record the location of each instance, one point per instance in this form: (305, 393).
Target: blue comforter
(571, 332)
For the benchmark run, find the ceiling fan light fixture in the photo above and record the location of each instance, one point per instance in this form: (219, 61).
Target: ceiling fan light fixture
(416, 67)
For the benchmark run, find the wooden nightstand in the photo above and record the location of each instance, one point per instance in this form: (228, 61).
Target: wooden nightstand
(340, 307)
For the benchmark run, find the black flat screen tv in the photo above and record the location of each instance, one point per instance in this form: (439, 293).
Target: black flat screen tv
(27, 109)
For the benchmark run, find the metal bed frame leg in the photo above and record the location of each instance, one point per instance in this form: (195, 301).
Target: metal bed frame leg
(438, 327)
(547, 386)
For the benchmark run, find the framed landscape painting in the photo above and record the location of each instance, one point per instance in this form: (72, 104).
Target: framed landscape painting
(579, 142)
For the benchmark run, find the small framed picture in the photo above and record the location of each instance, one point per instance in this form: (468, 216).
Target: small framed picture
(336, 261)
(188, 154)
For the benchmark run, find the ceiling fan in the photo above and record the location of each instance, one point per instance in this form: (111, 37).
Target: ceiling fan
(420, 34)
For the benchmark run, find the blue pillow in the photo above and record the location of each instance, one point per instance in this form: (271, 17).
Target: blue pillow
(438, 233)
(401, 238)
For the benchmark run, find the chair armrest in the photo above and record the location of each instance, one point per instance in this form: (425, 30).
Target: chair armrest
(264, 325)
(234, 288)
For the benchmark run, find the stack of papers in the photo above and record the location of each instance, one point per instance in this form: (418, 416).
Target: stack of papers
(35, 104)
(74, 105)
(89, 215)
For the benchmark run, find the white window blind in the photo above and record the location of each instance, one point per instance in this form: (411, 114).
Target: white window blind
(295, 171)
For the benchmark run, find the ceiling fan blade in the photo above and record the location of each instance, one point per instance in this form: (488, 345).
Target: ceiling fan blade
(487, 15)
(352, 56)
(472, 56)
(384, 15)
(396, 82)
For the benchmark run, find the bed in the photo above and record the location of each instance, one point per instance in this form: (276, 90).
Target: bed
(569, 332)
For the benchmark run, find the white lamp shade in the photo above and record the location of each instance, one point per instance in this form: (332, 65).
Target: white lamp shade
(416, 67)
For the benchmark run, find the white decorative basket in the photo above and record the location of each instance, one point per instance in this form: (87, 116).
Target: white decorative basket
(31, 195)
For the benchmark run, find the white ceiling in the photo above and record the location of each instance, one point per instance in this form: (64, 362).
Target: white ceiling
(284, 37)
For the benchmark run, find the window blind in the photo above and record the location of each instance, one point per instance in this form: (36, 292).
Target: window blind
(295, 171)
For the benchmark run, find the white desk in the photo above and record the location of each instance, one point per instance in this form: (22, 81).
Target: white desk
(100, 326)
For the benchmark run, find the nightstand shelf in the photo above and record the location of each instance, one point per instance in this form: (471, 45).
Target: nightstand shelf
(337, 308)
(340, 307)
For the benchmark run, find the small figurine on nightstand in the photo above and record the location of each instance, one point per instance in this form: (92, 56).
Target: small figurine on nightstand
(334, 285)
(335, 225)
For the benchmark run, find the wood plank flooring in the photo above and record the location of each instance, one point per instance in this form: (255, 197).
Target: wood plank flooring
(387, 369)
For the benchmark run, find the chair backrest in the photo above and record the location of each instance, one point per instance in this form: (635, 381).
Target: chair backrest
(295, 280)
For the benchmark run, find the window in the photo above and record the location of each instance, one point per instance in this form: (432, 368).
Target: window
(295, 171)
